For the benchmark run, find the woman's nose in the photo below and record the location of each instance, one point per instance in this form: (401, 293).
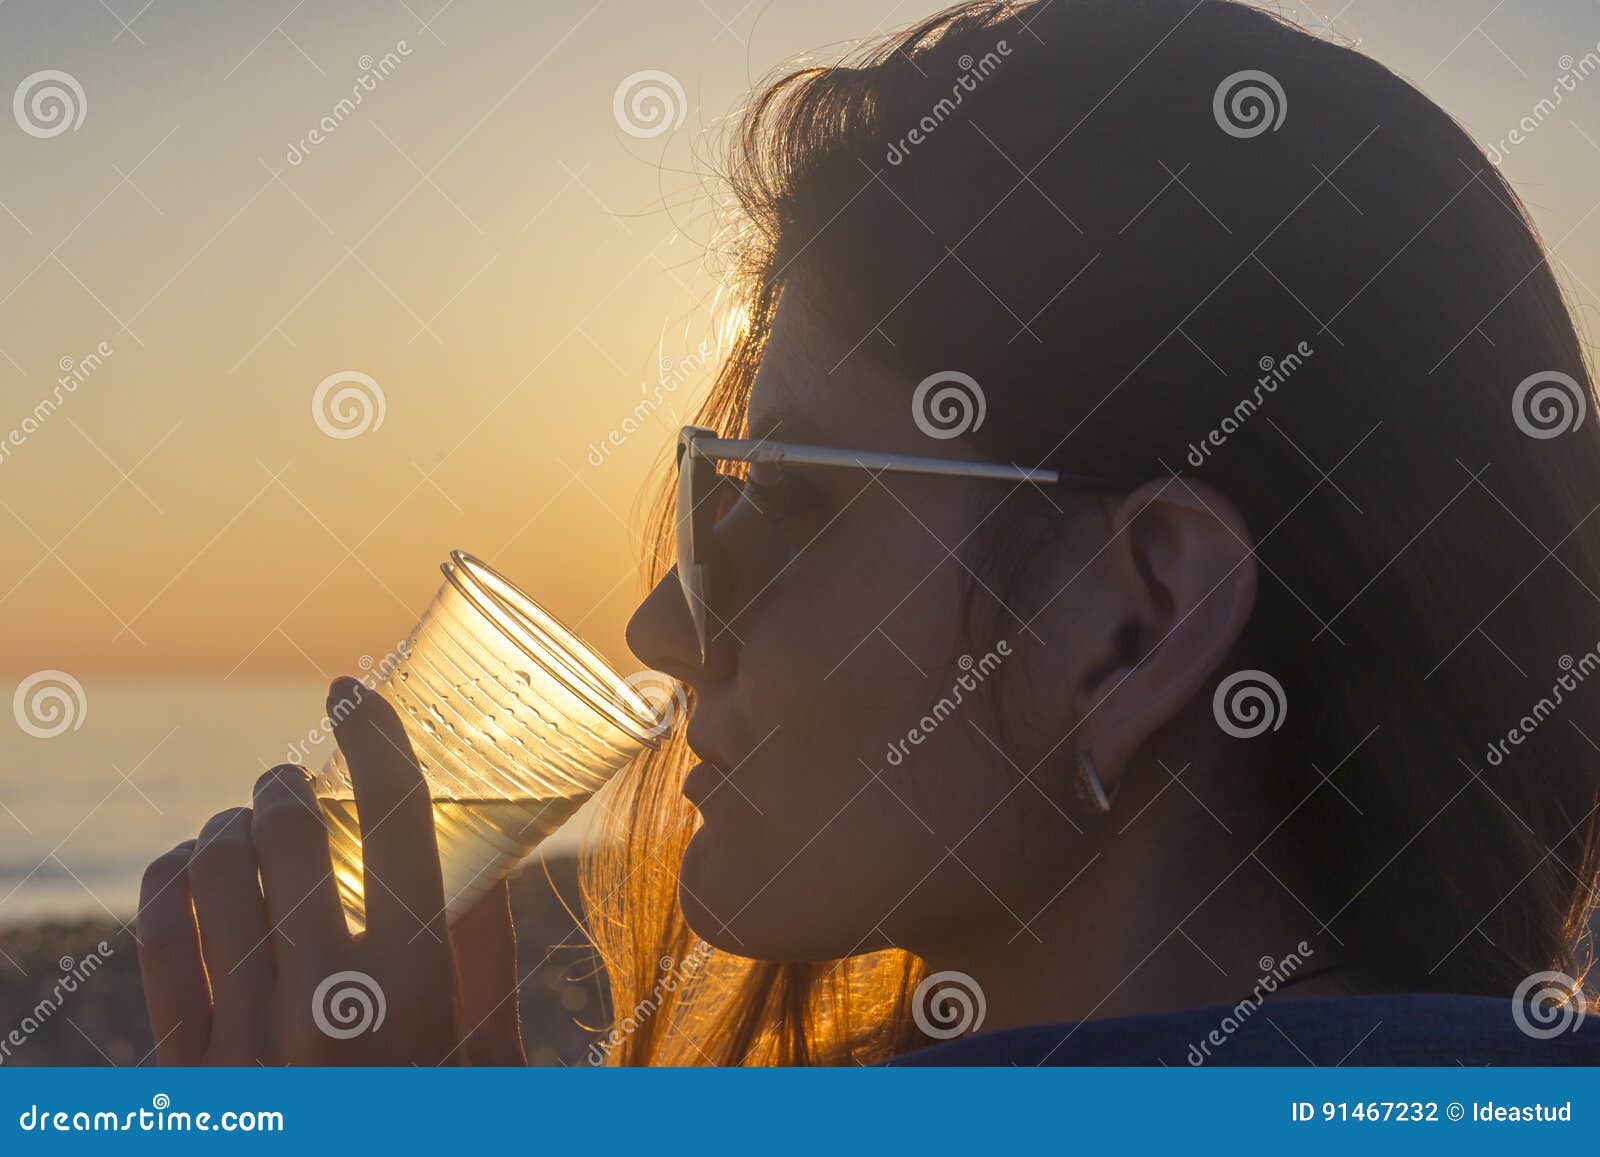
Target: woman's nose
(661, 635)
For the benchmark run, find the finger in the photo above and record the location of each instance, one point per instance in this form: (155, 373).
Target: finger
(485, 943)
(400, 854)
(174, 976)
(233, 926)
(291, 846)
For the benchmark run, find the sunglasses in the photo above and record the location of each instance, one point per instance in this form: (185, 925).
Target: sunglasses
(703, 492)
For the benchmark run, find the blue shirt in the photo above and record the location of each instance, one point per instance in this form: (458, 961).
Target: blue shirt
(1396, 1029)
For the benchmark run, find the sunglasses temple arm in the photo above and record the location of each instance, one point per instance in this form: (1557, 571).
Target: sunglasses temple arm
(749, 450)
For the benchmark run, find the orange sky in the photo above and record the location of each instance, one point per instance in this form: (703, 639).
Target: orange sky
(481, 239)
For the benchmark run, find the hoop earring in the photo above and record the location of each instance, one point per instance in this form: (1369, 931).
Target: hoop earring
(1089, 788)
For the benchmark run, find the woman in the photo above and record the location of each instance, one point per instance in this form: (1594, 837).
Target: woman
(1235, 664)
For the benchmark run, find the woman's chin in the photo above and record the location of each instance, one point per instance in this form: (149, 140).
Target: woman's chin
(738, 904)
(725, 904)
(703, 894)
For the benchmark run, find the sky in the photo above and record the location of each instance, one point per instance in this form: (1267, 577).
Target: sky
(488, 258)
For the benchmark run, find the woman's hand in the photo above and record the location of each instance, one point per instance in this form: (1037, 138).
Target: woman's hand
(232, 963)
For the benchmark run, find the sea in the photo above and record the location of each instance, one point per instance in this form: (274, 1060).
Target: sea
(142, 764)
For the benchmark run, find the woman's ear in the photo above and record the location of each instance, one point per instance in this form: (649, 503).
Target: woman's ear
(1184, 583)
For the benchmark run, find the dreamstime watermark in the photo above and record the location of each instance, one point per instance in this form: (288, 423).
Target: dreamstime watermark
(1249, 103)
(973, 73)
(1548, 404)
(74, 974)
(48, 103)
(1249, 703)
(372, 673)
(672, 376)
(347, 1004)
(1572, 72)
(49, 703)
(947, 1004)
(1547, 1004)
(1274, 372)
(372, 72)
(662, 696)
(1576, 672)
(74, 372)
(974, 673)
(675, 974)
(1273, 974)
(160, 1117)
(348, 404)
(649, 103)
(948, 404)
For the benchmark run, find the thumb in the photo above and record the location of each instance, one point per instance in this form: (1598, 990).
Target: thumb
(485, 944)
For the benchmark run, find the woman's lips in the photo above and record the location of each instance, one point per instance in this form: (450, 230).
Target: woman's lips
(702, 780)
(708, 775)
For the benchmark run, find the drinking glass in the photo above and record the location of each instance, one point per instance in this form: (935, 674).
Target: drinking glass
(515, 722)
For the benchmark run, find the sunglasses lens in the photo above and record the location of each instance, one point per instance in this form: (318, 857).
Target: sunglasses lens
(692, 474)
(728, 491)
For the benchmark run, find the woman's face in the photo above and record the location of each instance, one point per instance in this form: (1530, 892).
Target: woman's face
(827, 829)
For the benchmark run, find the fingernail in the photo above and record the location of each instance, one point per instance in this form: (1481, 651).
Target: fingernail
(345, 696)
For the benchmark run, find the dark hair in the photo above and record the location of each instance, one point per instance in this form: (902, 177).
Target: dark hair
(1114, 214)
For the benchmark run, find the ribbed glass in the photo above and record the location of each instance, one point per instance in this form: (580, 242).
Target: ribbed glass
(515, 722)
